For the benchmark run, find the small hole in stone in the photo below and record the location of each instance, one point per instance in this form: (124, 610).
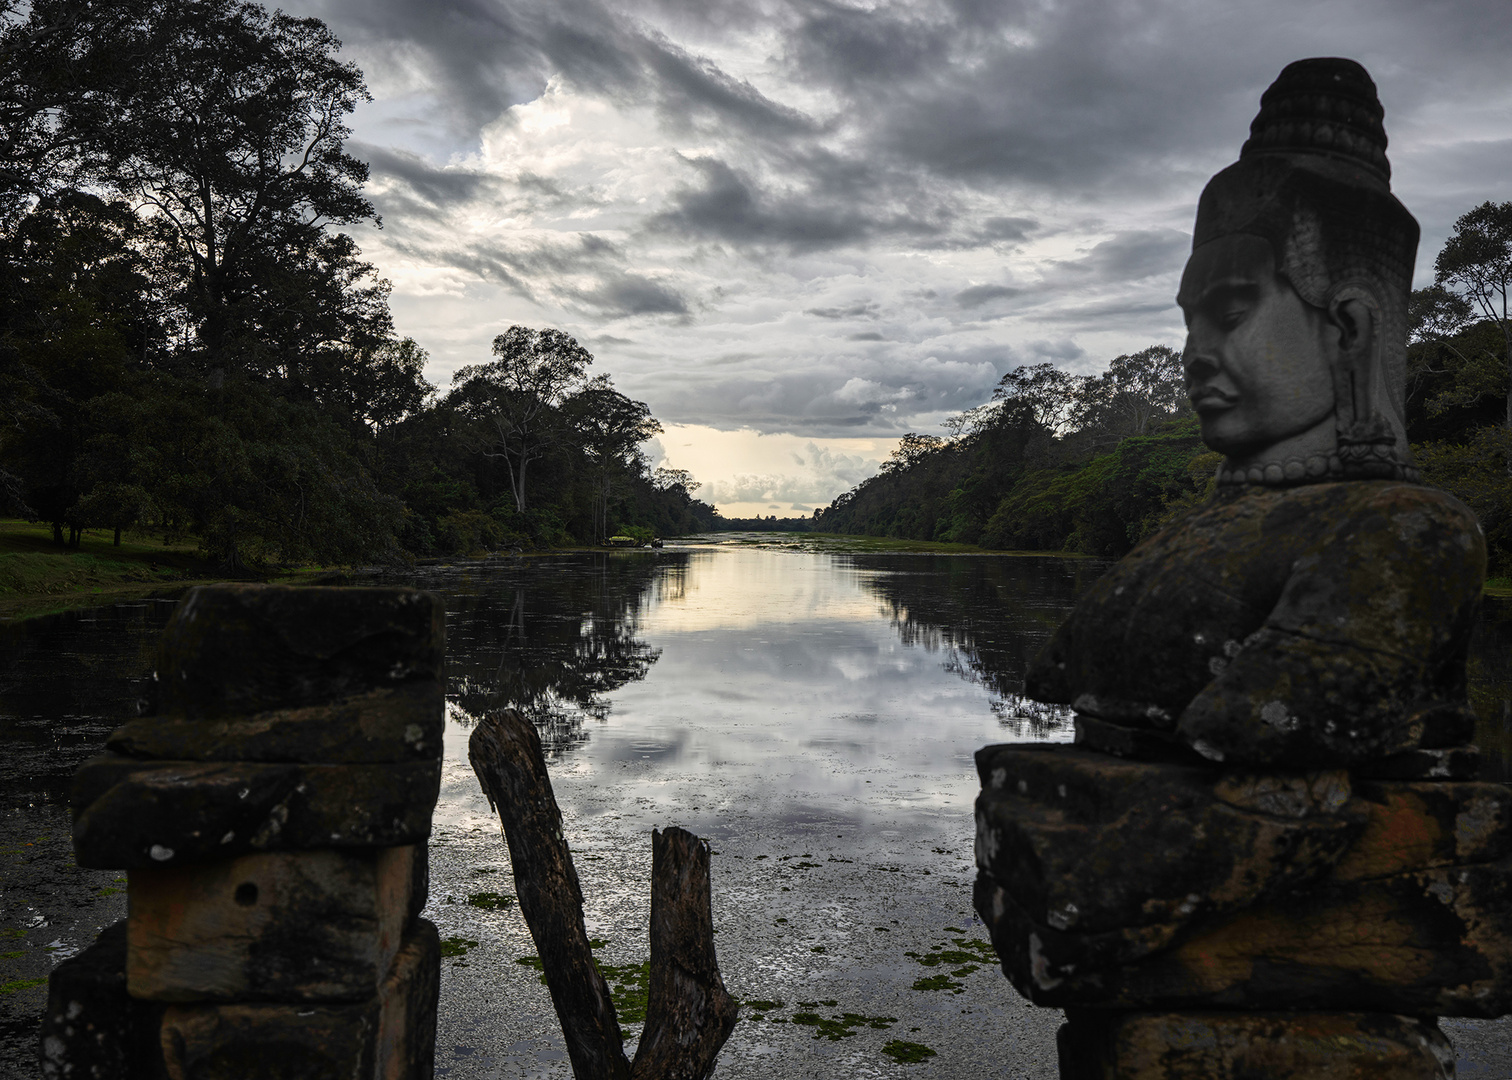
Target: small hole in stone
(246, 894)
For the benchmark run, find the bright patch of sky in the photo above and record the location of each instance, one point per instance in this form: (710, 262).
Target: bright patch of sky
(810, 223)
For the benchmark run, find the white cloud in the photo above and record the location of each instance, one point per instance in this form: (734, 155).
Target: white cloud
(841, 222)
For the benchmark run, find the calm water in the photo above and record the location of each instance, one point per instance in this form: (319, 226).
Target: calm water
(812, 710)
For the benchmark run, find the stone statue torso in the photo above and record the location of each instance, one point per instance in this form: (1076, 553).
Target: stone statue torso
(1313, 626)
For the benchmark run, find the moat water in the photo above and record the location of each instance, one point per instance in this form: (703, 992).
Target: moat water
(811, 707)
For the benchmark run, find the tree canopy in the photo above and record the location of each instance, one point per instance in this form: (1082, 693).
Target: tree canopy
(191, 342)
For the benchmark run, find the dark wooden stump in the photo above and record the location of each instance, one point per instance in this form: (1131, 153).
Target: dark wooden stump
(505, 752)
(690, 1015)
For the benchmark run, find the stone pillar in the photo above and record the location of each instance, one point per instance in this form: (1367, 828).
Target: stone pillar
(272, 818)
(1245, 924)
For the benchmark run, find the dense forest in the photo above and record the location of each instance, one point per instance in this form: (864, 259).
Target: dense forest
(191, 344)
(1092, 464)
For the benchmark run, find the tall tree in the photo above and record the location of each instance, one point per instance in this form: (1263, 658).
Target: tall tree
(1476, 262)
(514, 402)
(610, 428)
(225, 124)
(1137, 390)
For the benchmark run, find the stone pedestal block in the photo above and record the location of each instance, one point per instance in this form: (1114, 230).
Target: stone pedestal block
(308, 926)
(1248, 1046)
(1436, 942)
(400, 724)
(1085, 842)
(388, 1036)
(92, 1029)
(235, 650)
(1159, 885)
(130, 814)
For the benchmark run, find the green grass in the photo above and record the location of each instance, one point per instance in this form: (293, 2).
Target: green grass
(37, 577)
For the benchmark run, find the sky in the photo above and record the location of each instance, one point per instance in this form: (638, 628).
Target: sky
(798, 229)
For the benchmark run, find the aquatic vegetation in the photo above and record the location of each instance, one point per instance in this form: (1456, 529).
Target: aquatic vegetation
(842, 1026)
(969, 955)
(907, 1053)
(629, 988)
(491, 901)
(457, 946)
(16, 985)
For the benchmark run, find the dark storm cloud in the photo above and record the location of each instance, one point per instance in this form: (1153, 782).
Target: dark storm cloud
(1095, 96)
(584, 270)
(865, 310)
(977, 295)
(730, 206)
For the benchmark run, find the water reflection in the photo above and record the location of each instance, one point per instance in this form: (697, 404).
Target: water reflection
(65, 682)
(552, 637)
(988, 615)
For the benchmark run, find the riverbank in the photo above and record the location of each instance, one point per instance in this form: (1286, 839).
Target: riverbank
(37, 577)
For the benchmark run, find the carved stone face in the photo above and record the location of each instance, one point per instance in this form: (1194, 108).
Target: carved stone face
(1257, 355)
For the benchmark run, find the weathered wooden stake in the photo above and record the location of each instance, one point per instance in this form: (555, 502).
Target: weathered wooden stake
(690, 1015)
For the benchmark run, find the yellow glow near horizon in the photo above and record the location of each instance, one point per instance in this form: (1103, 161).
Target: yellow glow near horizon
(745, 473)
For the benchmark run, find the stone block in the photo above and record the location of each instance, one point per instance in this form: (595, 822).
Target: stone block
(388, 1036)
(411, 995)
(1095, 1045)
(305, 926)
(1141, 743)
(92, 1029)
(130, 813)
(1417, 825)
(404, 723)
(1087, 842)
(1433, 942)
(233, 650)
(1447, 763)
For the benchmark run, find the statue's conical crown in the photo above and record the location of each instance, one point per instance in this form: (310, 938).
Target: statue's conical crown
(1325, 105)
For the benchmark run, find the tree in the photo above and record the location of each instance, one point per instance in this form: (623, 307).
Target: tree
(609, 427)
(911, 450)
(514, 402)
(1476, 262)
(1136, 390)
(225, 125)
(1044, 394)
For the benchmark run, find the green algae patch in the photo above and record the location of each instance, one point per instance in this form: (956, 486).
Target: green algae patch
(457, 946)
(629, 989)
(490, 901)
(17, 985)
(907, 1053)
(969, 955)
(842, 1026)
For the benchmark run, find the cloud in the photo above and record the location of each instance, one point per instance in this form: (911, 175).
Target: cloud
(977, 295)
(849, 220)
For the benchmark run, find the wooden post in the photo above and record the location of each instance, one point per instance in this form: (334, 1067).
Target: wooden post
(690, 1015)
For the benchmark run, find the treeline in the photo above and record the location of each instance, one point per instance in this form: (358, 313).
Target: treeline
(1053, 462)
(1058, 462)
(191, 343)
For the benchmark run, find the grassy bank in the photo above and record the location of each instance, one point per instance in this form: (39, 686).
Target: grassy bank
(37, 577)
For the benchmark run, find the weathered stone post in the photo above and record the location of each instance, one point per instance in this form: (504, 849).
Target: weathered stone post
(1267, 854)
(272, 818)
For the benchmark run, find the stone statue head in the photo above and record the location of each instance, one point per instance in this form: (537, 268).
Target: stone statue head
(1296, 291)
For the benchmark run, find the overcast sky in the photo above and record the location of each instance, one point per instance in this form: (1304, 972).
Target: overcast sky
(800, 228)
